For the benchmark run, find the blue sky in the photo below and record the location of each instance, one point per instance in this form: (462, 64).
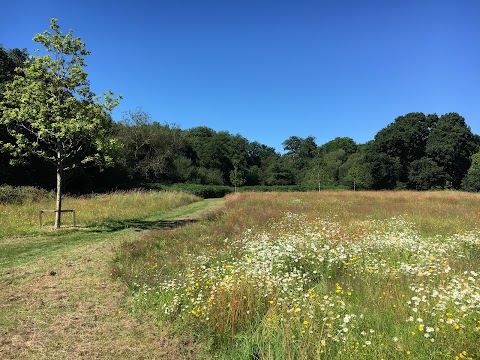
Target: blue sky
(272, 69)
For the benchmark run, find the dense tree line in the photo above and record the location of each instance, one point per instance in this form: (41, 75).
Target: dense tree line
(415, 151)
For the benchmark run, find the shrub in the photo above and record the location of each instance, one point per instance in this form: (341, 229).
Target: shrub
(204, 191)
(21, 194)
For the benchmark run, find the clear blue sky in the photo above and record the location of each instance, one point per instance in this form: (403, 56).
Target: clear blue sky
(272, 69)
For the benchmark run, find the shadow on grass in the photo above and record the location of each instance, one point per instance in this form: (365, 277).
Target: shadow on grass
(23, 252)
(140, 225)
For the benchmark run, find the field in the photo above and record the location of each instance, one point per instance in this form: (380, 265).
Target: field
(330, 275)
(326, 275)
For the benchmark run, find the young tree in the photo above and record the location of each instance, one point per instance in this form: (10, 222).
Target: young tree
(471, 182)
(236, 176)
(50, 110)
(356, 172)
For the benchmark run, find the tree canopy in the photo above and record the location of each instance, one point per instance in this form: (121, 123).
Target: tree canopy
(47, 110)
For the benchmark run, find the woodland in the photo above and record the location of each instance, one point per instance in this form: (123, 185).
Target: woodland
(416, 151)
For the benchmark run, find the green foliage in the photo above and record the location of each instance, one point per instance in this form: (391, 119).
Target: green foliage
(9, 61)
(236, 177)
(416, 151)
(396, 146)
(451, 144)
(50, 111)
(356, 172)
(149, 148)
(425, 174)
(21, 194)
(204, 191)
(344, 143)
(299, 147)
(471, 182)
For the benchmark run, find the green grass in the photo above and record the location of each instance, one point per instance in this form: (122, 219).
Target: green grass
(103, 215)
(57, 284)
(91, 211)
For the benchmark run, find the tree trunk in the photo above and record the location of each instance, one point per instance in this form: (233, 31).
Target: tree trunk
(58, 208)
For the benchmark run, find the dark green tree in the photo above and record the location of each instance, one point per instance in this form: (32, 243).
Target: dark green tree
(279, 172)
(425, 174)
(150, 149)
(236, 176)
(451, 145)
(344, 143)
(9, 61)
(396, 146)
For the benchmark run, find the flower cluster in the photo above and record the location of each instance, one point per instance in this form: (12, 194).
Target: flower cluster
(313, 283)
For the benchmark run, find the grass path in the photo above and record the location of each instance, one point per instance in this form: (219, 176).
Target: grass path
(58, 300)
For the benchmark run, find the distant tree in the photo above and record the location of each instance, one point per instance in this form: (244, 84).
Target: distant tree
(297, 146)
(386, 170)
(340, 143)
(355, 172)
(206, 176)
(425, 174)
(396, 146)
(184, 169)
(236, 176)
(259, 159)
(9, 61)
(299, 153)
(258, 154)
(451, 145)
(471, 182)
(279, 172)
(150, 148)
(51, 112)
(318, 176)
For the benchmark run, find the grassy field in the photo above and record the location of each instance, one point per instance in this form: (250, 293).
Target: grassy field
(105, 210)
(58, 299)
(331, 275)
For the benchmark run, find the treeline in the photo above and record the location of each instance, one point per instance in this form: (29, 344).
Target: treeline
(416, 151)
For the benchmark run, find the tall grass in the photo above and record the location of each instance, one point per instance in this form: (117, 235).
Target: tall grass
(93, 210)
(319, 275)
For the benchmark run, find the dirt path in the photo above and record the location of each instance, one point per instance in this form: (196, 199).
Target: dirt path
(66, 306)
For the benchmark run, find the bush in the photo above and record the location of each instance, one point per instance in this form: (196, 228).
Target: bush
(204, 191)
(21, 194)
(275, 188)
(218, 191)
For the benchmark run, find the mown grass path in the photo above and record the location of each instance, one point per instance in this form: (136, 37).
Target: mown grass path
(58, 300)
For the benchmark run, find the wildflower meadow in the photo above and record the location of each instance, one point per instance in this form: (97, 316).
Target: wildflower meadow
(325, 288)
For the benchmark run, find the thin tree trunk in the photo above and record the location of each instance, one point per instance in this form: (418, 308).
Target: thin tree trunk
(58, 209)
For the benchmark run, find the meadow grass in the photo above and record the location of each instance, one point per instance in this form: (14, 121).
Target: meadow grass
(58, 299)
(91, 211)
(331, 275)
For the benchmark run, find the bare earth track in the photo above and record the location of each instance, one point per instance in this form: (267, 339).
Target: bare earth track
(67, 306)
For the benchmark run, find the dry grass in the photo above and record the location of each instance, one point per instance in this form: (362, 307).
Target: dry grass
(68, 307)
(93, 210)
(446, 212)
(433, 213)
(61, 302)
